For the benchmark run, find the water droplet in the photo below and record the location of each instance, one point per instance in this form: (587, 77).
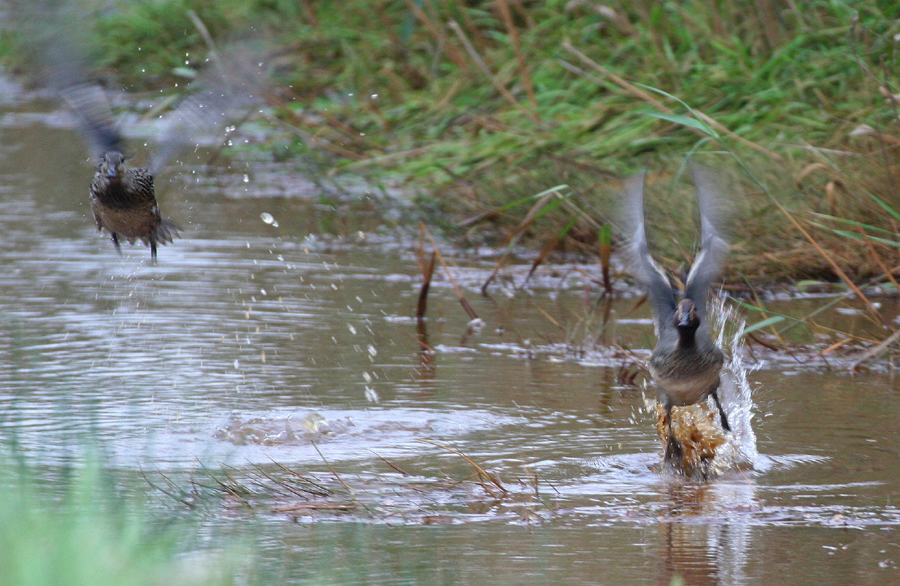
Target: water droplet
(371, 395)
(372, 351)
(367, 376)
(246, 178)
(374, 96)
(267, 218)
(237, 364)
(351, 328)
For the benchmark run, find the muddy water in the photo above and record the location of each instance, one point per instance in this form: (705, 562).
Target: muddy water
(279, 329)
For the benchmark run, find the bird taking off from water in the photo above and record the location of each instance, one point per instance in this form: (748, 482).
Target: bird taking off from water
(686, 362)
(123, 199)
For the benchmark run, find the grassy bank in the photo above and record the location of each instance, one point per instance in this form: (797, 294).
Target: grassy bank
(74, 526)
(481, 105)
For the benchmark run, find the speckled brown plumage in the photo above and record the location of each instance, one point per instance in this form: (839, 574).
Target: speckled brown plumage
(124, 204)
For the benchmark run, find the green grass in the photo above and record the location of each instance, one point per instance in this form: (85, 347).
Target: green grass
(397, 87)
(74, 527)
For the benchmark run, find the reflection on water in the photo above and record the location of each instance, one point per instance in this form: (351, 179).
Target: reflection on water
(279, 328)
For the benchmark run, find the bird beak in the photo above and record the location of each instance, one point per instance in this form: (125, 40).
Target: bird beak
(112, 172)
(685, 319)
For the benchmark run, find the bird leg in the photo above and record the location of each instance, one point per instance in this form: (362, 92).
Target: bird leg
(115, 239)
(715, 397)
(152, 251)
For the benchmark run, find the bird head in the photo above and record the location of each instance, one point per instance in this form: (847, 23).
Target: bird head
(112, 165)
(686, 319)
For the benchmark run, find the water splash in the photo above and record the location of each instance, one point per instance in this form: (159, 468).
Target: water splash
(708, 450)
(739, 449)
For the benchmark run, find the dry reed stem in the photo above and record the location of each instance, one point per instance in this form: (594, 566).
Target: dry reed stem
(641, 94)
(323, 491)
(299, 492)
(333, 471)
(315, 507)
(168, 493)
(835, 346)
(310, 12)
(523, 225)
(204, 34)
(391, 464)
(425, 346)
(550, 318)
(877, 257)
(769, 21)
(763, 342)
(422, 306)
(722, 128)
(837, 269)
(459, 294)
(314, 141)
(545, 252)
(452, 52)
(482, 474)
(876, 350)
(473, 53)
(503, 7)
(604, 252)
(427, 273)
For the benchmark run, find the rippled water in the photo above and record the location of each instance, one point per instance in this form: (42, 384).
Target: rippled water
(279, 328)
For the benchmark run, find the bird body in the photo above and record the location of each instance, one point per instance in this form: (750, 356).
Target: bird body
(686, 374)
(686, 362)
(124, 204)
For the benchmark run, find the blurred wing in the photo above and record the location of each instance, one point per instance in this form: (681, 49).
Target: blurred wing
(89, 103)
(708, 264)
(54, 32)
(648, 272)
(229, 86)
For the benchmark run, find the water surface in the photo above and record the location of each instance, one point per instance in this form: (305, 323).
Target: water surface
(279, 328)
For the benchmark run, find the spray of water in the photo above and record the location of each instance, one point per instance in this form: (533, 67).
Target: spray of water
(739, 449)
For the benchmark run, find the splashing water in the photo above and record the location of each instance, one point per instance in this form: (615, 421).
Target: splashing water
(708, 450)
(739, 449)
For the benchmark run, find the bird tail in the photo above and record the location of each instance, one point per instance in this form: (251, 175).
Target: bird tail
(167, 231)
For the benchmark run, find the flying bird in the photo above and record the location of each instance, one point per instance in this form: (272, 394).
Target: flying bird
(123, 199)
(122, 195)
(686, 362)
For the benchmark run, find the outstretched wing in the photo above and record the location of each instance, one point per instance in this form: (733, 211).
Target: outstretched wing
(645, 268)
(232, 83)
(54, 33)
(89, 103)
(708, 264)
